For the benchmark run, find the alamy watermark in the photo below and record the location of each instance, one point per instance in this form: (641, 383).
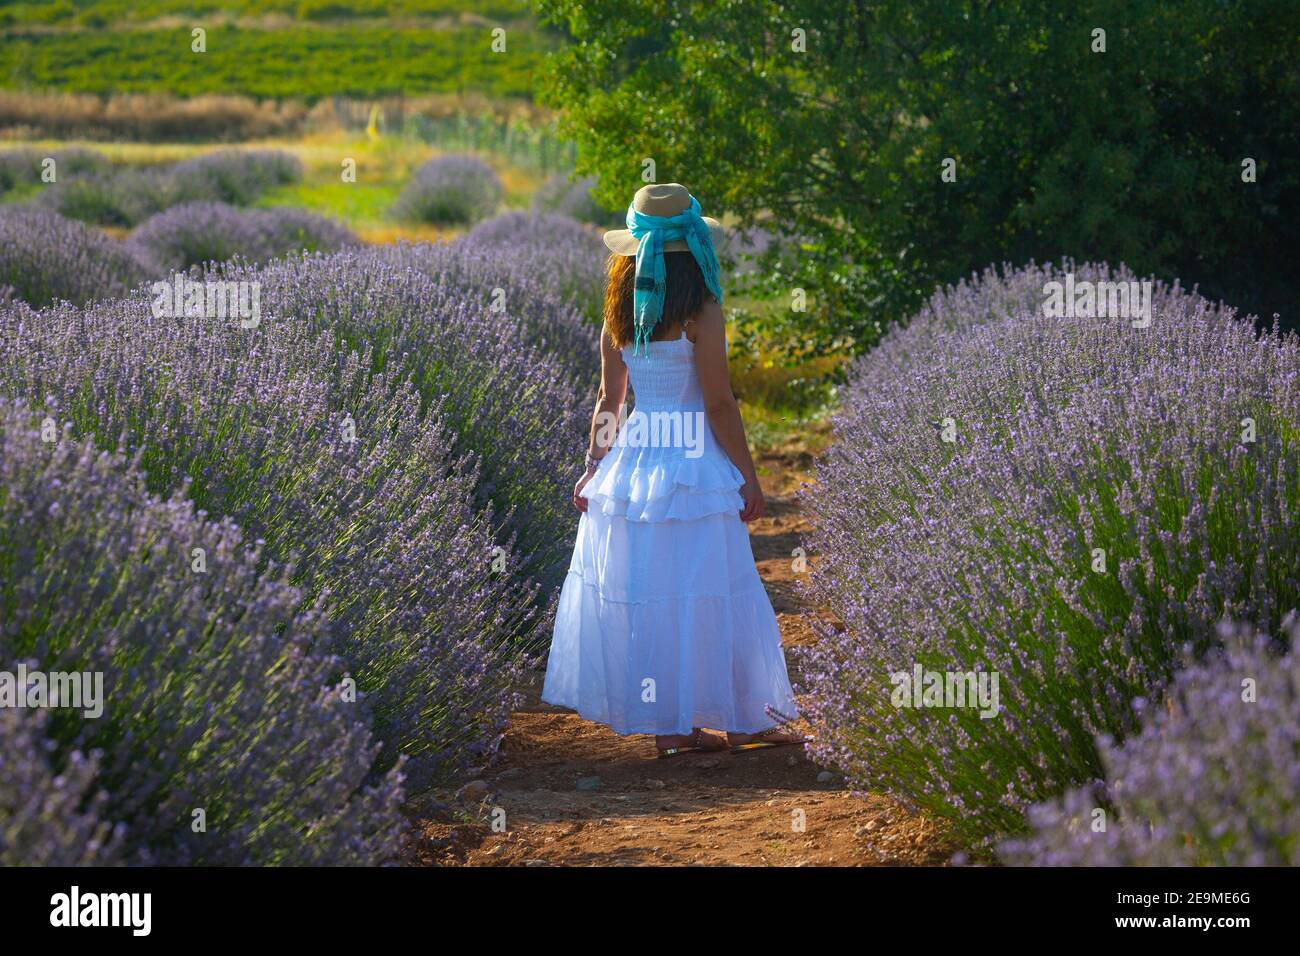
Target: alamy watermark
(133, 911)
(653, 429)
(1087, 300)
(211, 299)
(946, 689)
(78, 690)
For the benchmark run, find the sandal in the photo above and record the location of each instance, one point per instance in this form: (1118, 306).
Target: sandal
(693, 745)
(770, 738)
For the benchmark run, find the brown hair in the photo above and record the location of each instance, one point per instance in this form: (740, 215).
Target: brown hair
(683, 296)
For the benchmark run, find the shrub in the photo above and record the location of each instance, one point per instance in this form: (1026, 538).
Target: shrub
(198, 232)
(24, 166)
(234, 176)
(127, 196)
(451, 409)
(565, 197)
(44, 257)
(560, 257)
(77, 161)
(213, 696)
(18, 167)
(1099, 507)
(450, 190)
(119, 197)
(1209, 780)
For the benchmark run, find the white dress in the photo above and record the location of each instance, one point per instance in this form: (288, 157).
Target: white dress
(663, 624)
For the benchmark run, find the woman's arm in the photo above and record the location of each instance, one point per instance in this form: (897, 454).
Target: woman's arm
(720, 404)
(604, 419)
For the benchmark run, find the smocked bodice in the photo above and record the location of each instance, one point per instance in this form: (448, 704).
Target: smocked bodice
(666, 464)
(663, 377)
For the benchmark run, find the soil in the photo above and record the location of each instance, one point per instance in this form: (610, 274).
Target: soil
(569, 792)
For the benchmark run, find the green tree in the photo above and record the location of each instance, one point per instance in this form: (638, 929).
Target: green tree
(1131, 154)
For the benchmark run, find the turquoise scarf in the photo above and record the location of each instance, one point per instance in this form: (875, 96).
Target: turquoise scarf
(654, 231)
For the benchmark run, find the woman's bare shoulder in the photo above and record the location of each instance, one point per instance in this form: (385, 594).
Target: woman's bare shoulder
(709, 320)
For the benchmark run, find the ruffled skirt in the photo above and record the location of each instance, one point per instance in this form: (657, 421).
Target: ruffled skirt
(663, 623)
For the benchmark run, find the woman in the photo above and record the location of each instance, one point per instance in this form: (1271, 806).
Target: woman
(663, 625)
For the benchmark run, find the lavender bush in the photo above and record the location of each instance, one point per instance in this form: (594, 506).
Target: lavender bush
(565, 197)
(114, 197)
(561, 258)
(234, 176)
(45, 257)
(200, 232)
(360, 431)
(19, 167)
(126, 196)
(1213, 778)
(450, 190)
(216, 695)
(1109, 495)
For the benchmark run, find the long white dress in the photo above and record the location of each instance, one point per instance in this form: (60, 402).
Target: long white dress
(663, 624)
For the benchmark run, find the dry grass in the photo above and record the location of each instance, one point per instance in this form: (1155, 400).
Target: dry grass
(160, 117)
(143, 116)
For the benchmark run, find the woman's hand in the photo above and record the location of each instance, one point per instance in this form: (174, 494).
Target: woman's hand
(752, 494)
(580, 502)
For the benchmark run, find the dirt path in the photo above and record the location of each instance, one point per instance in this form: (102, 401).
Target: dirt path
(568, 792)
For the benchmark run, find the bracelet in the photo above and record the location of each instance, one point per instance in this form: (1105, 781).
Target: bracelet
(592, 463)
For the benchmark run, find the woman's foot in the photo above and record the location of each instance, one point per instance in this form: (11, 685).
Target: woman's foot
(772, 737)
(697, 741)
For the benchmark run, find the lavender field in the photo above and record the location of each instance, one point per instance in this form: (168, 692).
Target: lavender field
(359, 499)
(1074, 504)
(301, 311)
(1078, 506)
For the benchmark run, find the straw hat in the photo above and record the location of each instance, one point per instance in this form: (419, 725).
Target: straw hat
(659, 199)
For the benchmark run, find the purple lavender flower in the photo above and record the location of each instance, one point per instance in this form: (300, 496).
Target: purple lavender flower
(45, 257)
(561, 258)
(1067, 502)
(450, 190)
(1211, 779)
(233, 176)
(402, 446)
(200, 232)
(219, 696)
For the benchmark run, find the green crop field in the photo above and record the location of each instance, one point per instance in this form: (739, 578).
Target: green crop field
(303, 62)
(302, 49)
(97, 13)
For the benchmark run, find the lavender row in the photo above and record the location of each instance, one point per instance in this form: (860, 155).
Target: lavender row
(208, 232)
(1063, 503)
(360, 431)
(125, 196)
(1210, 780)
(225, 732)
(45, 257)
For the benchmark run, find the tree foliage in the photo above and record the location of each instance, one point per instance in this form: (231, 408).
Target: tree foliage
(1133, 154)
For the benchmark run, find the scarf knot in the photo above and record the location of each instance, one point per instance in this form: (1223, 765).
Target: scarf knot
(651, 275)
